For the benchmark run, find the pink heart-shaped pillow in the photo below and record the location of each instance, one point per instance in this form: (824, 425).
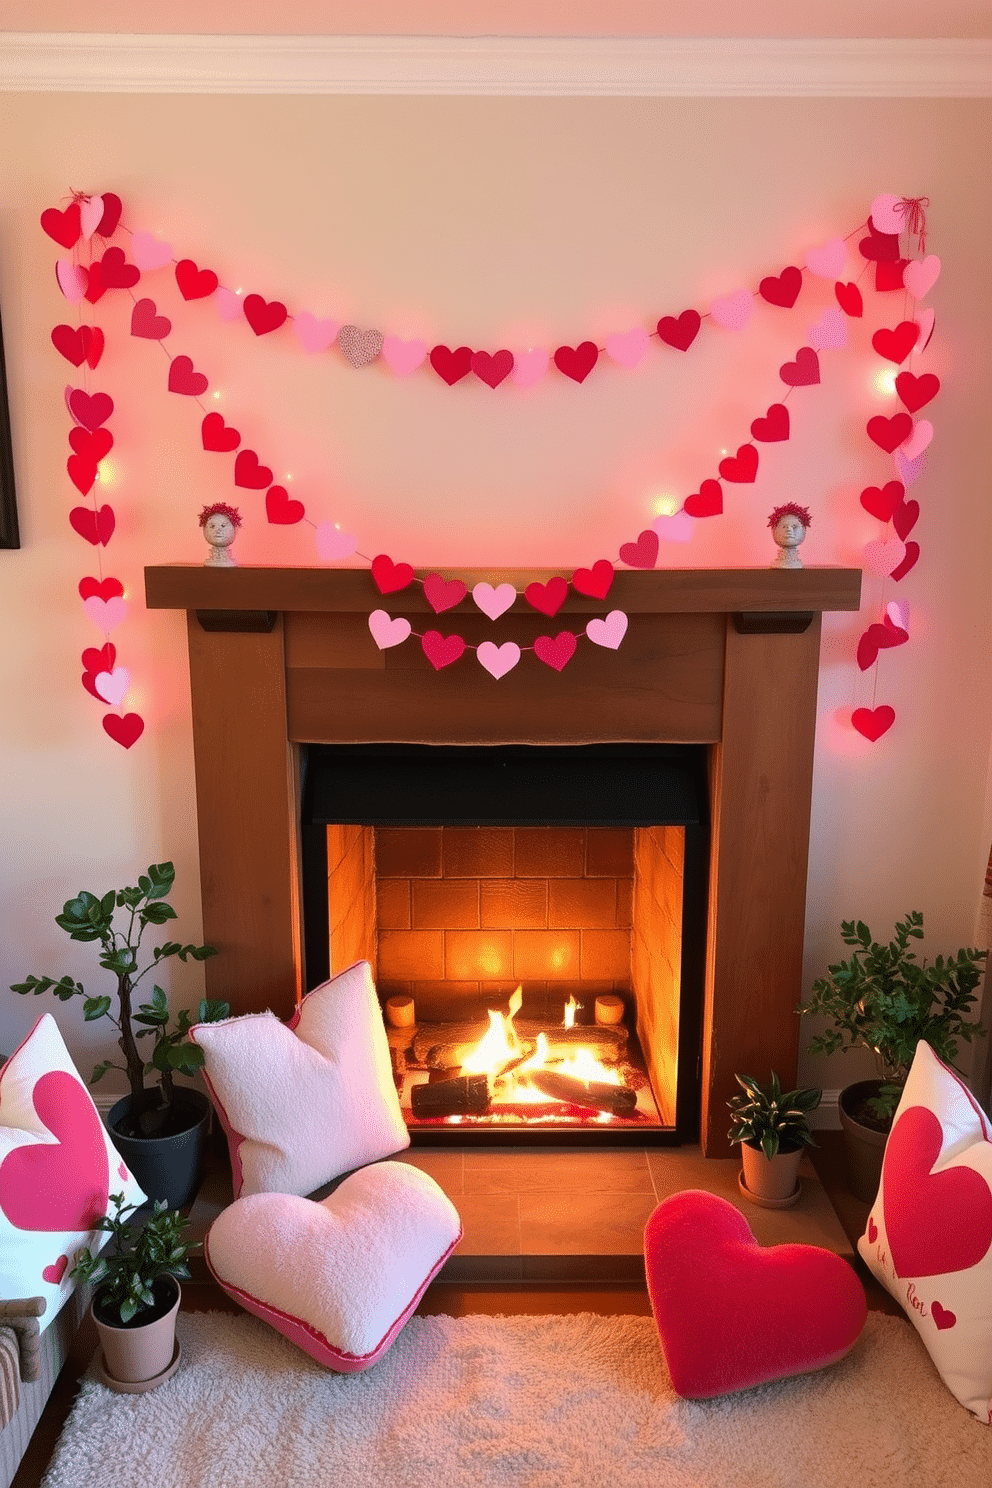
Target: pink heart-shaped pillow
(732, 1314)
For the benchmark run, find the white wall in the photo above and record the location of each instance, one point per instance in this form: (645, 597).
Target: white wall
(488, 222)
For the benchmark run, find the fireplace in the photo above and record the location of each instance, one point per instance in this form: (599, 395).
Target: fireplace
(723, 660)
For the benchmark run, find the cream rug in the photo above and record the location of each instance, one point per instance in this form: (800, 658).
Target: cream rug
(518, 1402)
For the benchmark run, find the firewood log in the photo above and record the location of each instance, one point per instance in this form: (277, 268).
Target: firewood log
(466, 1095)
(616, 1099)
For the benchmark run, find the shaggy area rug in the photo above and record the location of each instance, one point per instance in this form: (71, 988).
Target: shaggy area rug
(518, 1402)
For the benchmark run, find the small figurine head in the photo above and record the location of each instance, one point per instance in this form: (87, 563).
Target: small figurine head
(788, 524)
(220, 523)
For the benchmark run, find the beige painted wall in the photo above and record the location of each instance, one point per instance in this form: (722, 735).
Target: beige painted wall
(489, 222)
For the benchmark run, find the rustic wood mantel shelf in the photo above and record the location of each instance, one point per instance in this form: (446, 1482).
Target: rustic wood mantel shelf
(725, 658)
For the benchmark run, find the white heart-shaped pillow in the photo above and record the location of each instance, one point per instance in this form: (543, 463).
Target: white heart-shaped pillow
(338, 1278)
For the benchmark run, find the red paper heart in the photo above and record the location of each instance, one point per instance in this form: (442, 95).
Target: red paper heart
(183, 379)
(643, 553)
(390, 576)
(914, 392)
(577, 361)
(596, 581)
(895, 345)
(112, 209)
(100, 589)
(124, 731)
(804, 371)
(82, 473)
(936, 1223)
(63, 227)
(94, 445)
(441, 650)
(88, 680)
(905, 517)
(443, 595)
(878, 637)
(706, 502)
(90, 409)
(682, 332)
(849, 299)
(908, 562)
(782, 289)
(890, 275)
(281, 508)
(249, 473)
(71, 342)
(96, 527)
(889, 433)
(100, 659)
(549, 597)
(54, 1273)
(145, 322)
(61, 1185)
(774, 426)
(942, 1316)
(873, 722)
(742, 467)
(95, 287)
(492, 369)
(555, 651)
(116, 272)
(263, 315)
(883, 502)
(194, 283)
(93, 339)
(879, 247)
(216, 435)
(452, 366)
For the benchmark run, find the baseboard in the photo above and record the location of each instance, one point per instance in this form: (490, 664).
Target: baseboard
(826, 1117)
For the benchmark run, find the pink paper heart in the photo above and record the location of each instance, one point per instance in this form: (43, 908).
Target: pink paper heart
(530, 366)
(332, 543)
(627, 347)
(608, 632)
(71, 280)
(494, 602)
(386, 631)
(679, 527)
(829, 332)
(90, 215)
(314, 334)
(909, 470)
(885, 218)
(732, 311)
(873, 722)
(828, 261)
(148, 252)
(555, 651)
(106, 614)
(498, 660)
(403, 357)
(882, 557)
(897, 611)
(443, 594)
(112, 686)
(920, 275)
(918, 441)
(441, 650)
(54, 1273)
(230, 306)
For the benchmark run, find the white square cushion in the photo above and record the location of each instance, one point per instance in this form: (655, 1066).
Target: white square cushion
(306, 1101)
(57, 1168)
(929, 1234)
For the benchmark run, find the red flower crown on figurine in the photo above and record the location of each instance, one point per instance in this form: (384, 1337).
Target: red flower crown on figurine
(790, 510)
(220, 509)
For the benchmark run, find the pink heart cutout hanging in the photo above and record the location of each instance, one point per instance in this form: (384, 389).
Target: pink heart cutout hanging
(627, 348)
(71, 279)
(675, 528)
(498, 660)
(90, 215)
(105, 614)
(885, 218)
(609, 631)
(403, 357)
(314, 335)
(386, 631)
(733, 311)
(440, 650)
(494, 602)
(230, 306)
(556, 651)
(442, 594)
(873, 722)
(529, 366)
(919, 440)
(920, 275)
(909, 470)
(830, 331)
(827, 261)
(149, 252)
(333, 544)
(111, 686)
(882, 557)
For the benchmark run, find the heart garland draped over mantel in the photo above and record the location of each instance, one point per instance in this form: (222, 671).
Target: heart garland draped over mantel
(87, 223)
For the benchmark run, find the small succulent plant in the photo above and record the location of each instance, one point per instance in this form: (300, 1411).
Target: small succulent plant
(763, 1116)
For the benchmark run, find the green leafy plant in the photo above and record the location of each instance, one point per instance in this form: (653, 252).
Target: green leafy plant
(118, 920)
(883, 999)
(137, 1254)
(763, 1116)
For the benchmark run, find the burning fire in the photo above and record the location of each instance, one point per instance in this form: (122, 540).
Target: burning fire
(500, 1055)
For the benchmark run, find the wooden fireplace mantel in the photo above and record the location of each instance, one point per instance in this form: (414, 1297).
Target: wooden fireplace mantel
(729, 658)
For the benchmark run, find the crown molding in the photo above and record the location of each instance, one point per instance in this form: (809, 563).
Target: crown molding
(649, 67)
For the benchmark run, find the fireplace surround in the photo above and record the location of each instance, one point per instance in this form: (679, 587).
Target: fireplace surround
(725, 659)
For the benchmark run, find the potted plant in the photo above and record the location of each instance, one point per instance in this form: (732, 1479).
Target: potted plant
(158, 1130)
(137, 1293)
(773, 1129)
(885, 1000)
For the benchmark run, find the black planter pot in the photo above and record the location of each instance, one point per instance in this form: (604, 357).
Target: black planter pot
(864, 1142)
(167, 1167)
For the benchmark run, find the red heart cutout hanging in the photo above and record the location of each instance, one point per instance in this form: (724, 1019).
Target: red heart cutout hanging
(82, 473)
(263, 315)
(441, 650)
(281, 508)
(390, 576)
(774, 426)
(97, 527)
(909, 561)
(492, 369)
(183, 379)
(878, 637)
(879, 247)
(873, 722)
(549, 597)
(555, 651)
(905, 517)
(914, 392)
(881, 503)
(124, 731)
(63, 227)
(116, 272)
(61, 1185)
(93, 341)
(596, 581)
(889, 433)
(71, 343)
(706, 502)
(849, 299)
(101, 589)
(95, 287)
(643, 553)
(88, 680)
(890, 275)
(249, 473)
(216, 435)
(782, 289)
(804, 371)
(100, 659)
(441, 594)
(146, 323)
(112, 209)
(194, 283)
(452, 366)
(577, 361)
(742, 467)
(936, 1222)
(895, 345)
(682, 332)
(94, 445)
(90, 409)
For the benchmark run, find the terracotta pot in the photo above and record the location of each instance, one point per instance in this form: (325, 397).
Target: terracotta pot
(775, 1179)
(139, 1355)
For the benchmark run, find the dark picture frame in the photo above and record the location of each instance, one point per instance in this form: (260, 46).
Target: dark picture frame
(10, 536)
